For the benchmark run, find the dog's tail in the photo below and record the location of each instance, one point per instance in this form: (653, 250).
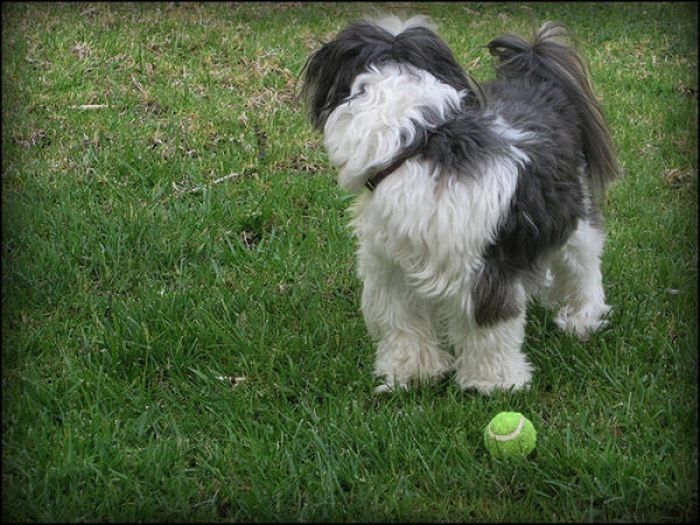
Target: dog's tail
(552, 55)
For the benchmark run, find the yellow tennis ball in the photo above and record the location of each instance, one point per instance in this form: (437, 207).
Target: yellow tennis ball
(510, 434)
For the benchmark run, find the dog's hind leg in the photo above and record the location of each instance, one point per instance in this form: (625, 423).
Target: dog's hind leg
(577, 286)
(408, 347)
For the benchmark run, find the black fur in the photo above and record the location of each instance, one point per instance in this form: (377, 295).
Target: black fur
(552, 56)
(464, 142)
(543, 88)
(548, 200)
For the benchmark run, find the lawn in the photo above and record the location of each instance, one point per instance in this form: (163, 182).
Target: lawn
(181, 335)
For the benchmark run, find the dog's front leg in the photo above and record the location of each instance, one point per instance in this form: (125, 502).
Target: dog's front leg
(408, 348)
(490, 357)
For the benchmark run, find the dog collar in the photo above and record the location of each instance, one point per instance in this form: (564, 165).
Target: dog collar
(378, 177)
(412, 150)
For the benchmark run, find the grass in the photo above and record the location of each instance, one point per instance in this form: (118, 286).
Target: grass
(131, 281)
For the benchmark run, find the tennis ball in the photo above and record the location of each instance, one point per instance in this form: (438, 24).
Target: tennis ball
(510, 434)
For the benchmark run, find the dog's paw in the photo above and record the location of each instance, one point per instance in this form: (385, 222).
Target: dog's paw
(494, 369)
(486, 387)
(435, 366)
(386, 388)
(407, 370)
(585, 321)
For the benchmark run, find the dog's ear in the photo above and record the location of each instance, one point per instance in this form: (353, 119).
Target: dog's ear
(315, 88)
(330, 71)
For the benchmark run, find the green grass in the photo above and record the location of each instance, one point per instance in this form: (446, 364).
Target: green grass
(124, 294)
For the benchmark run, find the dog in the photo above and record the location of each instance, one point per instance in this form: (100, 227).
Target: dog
(471, 197)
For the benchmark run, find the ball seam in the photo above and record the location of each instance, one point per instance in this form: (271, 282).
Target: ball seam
(511, 435)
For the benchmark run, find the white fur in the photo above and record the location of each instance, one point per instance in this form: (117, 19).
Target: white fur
(421, 239)
(513, 135)
(578, 283)
(364, 133)
(394, 25)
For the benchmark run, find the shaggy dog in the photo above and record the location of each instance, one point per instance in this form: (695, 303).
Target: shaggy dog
(470, 197)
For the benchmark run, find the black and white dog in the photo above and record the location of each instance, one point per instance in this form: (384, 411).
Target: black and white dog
(470, 197)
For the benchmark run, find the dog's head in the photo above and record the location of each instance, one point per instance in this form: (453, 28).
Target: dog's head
(330, 71)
